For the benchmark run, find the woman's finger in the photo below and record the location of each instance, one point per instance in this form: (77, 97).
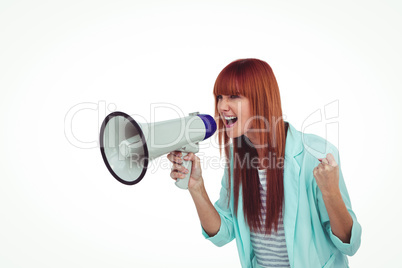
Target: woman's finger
(177, 153)
(331, 160)
(194, 158)
(180, 168)
(177, 175)
(175, 159)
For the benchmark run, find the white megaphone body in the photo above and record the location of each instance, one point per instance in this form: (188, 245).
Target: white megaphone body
(127, 147)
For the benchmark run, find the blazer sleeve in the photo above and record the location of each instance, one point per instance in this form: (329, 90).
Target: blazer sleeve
(355, 239)
(226, 230)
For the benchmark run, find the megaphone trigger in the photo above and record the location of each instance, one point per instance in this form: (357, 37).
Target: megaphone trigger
(183, 183)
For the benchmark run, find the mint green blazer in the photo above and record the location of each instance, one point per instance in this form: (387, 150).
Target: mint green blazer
(309, 240)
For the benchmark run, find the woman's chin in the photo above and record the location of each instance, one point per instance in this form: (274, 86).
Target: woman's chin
(232, 134)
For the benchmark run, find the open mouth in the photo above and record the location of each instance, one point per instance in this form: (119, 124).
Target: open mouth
(230, 120)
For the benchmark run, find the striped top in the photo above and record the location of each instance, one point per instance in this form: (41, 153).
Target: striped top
(270, 250)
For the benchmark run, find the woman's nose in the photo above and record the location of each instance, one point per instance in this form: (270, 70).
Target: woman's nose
(223, 105)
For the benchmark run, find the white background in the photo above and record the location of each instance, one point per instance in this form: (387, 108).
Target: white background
(60, 207)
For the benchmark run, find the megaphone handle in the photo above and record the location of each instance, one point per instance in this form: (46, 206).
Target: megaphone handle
(183, 183)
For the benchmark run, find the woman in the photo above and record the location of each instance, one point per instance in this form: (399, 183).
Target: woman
(283, 207)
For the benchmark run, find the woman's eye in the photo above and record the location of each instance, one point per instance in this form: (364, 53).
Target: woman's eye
(234, 96)
(219, 97)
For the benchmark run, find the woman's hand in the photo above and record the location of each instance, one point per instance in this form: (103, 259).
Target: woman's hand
(326, 175)
(209, 216)
(180, 172)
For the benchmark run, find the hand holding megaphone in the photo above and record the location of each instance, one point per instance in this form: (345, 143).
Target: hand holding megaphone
(182, 171)
(127, 146)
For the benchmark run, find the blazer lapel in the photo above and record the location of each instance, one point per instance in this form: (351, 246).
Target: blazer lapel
(293, 148)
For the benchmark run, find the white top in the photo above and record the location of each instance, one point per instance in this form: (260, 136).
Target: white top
(270, 250)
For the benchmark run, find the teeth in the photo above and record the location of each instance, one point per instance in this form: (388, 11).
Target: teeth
(230, 117)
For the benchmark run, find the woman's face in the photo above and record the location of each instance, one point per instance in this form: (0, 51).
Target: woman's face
(236, 114)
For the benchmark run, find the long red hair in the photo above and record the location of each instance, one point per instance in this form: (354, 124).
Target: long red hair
(255, 80)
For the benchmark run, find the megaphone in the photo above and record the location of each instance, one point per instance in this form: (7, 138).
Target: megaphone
(127, 147)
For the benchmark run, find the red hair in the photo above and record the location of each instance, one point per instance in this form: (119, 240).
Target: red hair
(255, 80)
